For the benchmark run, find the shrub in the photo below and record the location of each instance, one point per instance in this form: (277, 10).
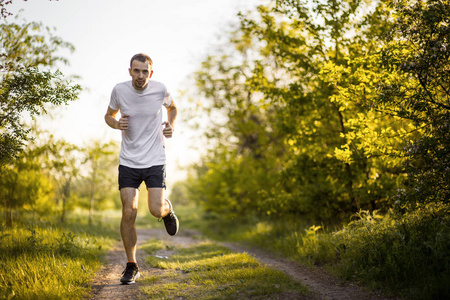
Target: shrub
(407, 253)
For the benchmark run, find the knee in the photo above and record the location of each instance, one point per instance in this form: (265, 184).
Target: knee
(129, 214)
(156, 212)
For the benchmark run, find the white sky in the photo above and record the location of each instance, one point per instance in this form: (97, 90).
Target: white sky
(176, 34)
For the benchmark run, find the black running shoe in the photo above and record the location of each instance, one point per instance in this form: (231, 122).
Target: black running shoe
(171, 221)
(130, 274)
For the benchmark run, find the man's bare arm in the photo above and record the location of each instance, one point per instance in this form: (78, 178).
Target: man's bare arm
(171, 116)
(110, 119)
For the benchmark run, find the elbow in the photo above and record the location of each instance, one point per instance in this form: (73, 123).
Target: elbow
(108, 121)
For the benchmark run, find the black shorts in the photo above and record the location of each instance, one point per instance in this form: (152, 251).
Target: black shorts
(154, 177)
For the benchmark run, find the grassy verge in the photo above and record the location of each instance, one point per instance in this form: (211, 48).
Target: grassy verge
(209, 271)
(400, 254)
(407, 254)
(49, 260)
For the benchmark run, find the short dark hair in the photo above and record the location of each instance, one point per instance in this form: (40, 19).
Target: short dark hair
(142, 58)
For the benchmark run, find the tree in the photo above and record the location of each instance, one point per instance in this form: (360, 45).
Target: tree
(417, 54)
(63, 161)
(406, 79)
(320, 129)
(23, 86)
(4, 13)
(284, 122)
(25, 184)
(98, 183)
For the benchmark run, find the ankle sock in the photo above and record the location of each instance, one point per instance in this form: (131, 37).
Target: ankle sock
(133, 262)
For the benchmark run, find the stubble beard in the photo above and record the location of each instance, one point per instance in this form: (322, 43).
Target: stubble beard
(139, 86)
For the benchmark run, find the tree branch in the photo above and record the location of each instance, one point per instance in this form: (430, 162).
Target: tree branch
(430, 96)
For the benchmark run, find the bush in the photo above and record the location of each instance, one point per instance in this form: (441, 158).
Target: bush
(407, 253)
(404, 254)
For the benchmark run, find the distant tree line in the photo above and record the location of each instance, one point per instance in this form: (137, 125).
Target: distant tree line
(39, 173)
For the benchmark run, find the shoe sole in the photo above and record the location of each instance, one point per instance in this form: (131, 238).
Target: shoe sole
(131, 282)
(178, 223)
(178, 226)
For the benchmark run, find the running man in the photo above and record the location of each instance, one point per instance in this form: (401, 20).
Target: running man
(142, 156)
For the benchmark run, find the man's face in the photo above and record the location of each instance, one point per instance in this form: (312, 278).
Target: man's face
(140, 73)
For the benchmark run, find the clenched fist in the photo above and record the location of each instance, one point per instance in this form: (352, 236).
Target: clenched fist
(167, 130)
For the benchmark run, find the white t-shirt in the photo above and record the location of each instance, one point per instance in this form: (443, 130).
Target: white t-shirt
(143, 141)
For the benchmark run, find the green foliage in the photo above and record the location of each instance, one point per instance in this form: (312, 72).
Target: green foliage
(293, 137)
(419, 52)
(52, 177)
(290, 237)
(30, 44)
(23, 86)
(62, 164)
(326, 108)
(98, 187)
(179, 191)
(232, 186)
(407, 254)
(25, 184)
(400, 254)
(322, 109)
(405, 79)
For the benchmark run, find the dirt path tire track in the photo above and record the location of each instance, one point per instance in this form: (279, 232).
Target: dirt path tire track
(322, 286)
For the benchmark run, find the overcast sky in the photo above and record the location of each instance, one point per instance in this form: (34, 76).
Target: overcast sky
(176, 34)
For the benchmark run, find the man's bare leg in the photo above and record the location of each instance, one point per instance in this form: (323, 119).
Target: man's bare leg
(157, 204)
(129, 197)
(161, 207)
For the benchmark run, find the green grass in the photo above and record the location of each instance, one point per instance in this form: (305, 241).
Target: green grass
(48, 260)
(406, 254)
(209, 271)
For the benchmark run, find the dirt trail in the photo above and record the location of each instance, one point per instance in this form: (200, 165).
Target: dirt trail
(322, 286)
(106, 283)
(318, 282)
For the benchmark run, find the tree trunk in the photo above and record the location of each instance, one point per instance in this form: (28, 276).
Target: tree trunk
(348, 169)
(66, 195)
(91, 208)
(63, 213)
(9, 216)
